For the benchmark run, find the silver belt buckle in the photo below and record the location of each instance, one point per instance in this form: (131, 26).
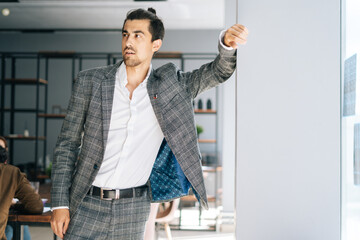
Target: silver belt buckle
(102, 194)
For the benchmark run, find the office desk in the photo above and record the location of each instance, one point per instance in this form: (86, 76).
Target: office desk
(17, 219)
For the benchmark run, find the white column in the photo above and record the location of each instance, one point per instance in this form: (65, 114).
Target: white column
(288, 136)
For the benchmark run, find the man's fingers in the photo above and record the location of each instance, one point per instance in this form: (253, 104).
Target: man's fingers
(59, 232)
(240, 28)
(233, 45)
(57, 229)
(66, 225)
(237, 39)
(232, 40)
(53, 224)
(237, 34)
(60, 221)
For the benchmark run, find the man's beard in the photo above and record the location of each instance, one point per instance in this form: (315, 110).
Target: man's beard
(132, 62)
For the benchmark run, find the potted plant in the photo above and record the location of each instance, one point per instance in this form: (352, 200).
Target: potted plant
(199, 130)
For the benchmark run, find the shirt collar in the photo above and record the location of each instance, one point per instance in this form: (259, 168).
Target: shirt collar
(123, 76)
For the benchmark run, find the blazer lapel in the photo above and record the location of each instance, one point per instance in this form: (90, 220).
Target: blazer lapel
(153, 91)
(107, 96)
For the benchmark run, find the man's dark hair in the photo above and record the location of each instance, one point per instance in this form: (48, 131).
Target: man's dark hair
(156, 27)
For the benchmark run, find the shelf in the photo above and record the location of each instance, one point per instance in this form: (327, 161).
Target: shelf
(211, 199)
(58, 54)
(20, 137)
(211, 169)
(42, 177)
(205, 111)
(168, 55)
(27, 81)
(207, 141)
(192, 198)
(53, 116)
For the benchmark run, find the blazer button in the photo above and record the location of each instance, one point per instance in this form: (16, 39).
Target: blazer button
(95, 166)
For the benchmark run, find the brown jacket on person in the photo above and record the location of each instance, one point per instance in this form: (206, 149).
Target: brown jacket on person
(13, 184)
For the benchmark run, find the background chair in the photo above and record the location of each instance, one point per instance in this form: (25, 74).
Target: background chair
(166, 214)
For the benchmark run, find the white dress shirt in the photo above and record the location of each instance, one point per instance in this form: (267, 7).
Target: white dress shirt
(134, 137)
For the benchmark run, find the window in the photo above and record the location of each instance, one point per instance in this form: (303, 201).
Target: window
(351, 121)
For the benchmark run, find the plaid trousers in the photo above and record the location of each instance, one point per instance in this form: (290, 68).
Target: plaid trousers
(115, 219)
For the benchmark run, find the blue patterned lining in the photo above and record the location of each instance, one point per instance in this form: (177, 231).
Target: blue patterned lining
(167, 180)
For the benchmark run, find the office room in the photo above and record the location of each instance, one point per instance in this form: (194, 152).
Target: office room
(271, 153)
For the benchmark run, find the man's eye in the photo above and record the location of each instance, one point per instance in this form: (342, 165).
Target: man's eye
(137, 35)
(124, 34)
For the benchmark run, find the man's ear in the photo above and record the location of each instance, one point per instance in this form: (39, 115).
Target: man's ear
(156, 45)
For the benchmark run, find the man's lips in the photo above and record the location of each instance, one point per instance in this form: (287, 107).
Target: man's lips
(129, 52)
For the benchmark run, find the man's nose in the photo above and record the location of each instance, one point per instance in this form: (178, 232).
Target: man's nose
(129, 41)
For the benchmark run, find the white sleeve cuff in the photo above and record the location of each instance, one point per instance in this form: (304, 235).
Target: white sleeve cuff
(221, 40)
(61, 207)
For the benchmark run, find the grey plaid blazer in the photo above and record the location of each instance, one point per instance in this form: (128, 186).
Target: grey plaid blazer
(81, 144)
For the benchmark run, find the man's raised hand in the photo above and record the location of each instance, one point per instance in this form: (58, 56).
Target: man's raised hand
(237, 34)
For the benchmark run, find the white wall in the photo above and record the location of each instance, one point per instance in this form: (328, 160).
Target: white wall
(227, 123)
(288, 160)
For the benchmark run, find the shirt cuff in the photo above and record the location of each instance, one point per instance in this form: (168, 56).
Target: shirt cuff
(221, 40)
(61, 207)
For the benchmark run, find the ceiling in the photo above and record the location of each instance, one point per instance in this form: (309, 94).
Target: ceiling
(93, 15)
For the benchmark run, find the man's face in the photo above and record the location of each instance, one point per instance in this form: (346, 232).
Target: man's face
(137, 47)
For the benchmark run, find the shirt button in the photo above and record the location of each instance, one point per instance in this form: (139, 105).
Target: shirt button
(95, 166)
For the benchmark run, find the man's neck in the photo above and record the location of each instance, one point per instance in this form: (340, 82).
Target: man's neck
(136, 75)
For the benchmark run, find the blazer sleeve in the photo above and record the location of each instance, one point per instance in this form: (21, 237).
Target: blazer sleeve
(68, 144)
(29, 199)
(211, 74)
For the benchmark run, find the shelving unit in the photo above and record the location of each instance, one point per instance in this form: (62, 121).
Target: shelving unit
(41, 109)
(14, 81)
(212, 168)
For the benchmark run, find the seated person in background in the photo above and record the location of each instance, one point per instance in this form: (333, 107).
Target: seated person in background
(13, 184)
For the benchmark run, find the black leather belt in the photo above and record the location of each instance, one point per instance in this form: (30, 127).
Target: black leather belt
(110, 194)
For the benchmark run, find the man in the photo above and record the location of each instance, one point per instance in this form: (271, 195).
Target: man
(129, 136)
(13, 184)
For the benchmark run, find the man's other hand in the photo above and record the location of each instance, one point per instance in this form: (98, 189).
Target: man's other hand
(237, 34)
(60, 221)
